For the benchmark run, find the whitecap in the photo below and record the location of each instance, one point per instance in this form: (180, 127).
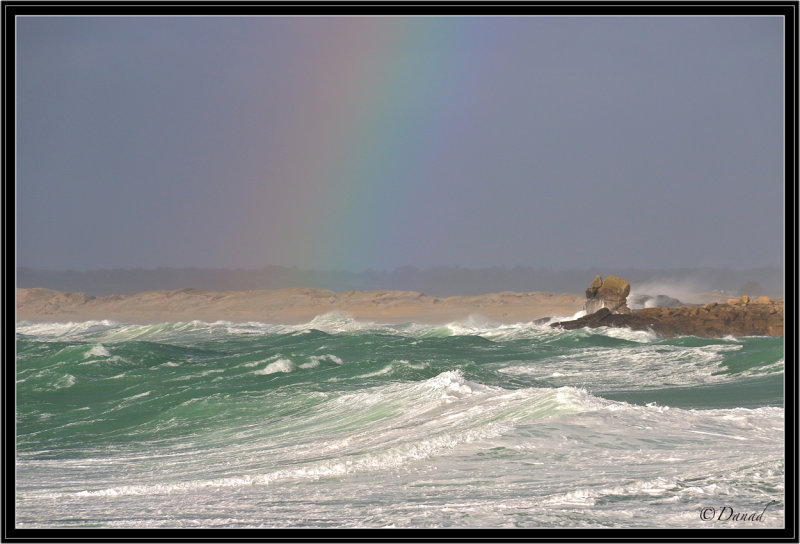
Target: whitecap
(281, 365)
(63, 329)
(67, 380)
(382, 372)
(98, 350)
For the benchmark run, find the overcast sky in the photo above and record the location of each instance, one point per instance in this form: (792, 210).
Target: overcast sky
(374, 142)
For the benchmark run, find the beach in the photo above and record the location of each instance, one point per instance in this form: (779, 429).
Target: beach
(291, 306)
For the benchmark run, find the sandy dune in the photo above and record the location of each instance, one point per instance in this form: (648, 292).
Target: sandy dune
(291, 306)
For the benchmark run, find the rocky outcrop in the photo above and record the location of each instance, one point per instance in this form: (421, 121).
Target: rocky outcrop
(611, 293)
(737, 317)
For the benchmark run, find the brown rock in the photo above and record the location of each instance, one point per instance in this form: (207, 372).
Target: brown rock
(705, 321)
(614, 293)
(591, 292)
(616, 285)
(610, 293)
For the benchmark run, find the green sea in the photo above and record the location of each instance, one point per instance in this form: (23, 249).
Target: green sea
(337, 424)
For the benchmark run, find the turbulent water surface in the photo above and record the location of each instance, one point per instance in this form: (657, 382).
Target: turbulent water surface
(344, 424)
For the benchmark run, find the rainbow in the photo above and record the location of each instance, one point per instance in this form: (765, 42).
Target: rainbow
(358, 149)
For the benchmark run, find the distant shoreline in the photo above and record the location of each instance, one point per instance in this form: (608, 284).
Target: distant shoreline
(291, 306)
(437, 282)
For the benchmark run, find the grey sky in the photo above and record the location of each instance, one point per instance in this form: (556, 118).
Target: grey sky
(354, 143)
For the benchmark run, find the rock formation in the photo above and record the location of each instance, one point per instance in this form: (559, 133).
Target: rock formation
(737, 317)
(611, 293)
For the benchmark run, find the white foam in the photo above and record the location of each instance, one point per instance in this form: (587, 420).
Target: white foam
(67, 380)
(127, 401)
(281, 365)
(98, 350)
(421, 429)
(578, 315)
(316, 359)
(644, 365)
(489, 455)
(57, 330)
(331, 323)
(382, 372)
(625, 333)
(589, 496)
(336, 322)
